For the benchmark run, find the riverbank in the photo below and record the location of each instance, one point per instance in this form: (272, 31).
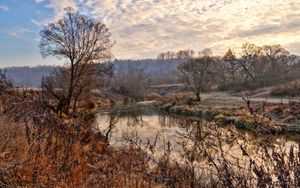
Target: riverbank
(271, 117)
(263, 115)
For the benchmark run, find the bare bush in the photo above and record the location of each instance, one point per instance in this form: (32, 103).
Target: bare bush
(291, 89)
(5, 83)
(133, 84)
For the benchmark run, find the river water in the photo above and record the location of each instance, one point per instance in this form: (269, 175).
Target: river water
(185, 138)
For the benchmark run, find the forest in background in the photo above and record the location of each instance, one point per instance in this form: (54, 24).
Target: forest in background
(31, 76)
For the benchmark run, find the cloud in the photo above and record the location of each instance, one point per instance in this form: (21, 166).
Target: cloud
(3, 8)
(143, 29)
(294, 47)
(36, 23)
(17, 32)
(289, 23)
(38, 1)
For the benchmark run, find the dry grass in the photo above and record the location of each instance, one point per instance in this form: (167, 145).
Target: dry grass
(176, 98)
(291, 89)
(39, 148)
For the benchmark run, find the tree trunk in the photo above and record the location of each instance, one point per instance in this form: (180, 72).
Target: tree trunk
(198, 96)
(70, 90)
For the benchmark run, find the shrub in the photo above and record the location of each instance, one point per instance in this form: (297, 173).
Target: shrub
(291, 89)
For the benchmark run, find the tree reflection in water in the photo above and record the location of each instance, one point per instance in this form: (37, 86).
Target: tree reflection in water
(193, 150)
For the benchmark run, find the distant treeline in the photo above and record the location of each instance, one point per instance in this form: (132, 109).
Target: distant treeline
(256, 67)
(26, 76)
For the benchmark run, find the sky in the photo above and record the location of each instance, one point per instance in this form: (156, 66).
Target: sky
(144, 28)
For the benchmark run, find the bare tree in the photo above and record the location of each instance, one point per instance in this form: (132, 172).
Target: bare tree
(205, 52)
(230, 60)
(249, 61)
(181, 54)
(264, 65)
(275, 58)
(275, 51)
(84, 42)
(198, 74)
(185, 54)
(167, 55)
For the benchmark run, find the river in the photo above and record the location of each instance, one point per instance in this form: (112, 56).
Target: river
(182, 137)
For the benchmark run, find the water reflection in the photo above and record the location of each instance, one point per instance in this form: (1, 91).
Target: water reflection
(185, 139)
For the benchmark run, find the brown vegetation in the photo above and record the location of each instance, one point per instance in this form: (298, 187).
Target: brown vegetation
(291, 89)
(41, 149)
(132, 85)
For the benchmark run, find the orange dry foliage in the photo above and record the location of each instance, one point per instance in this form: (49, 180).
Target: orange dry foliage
(39, 149)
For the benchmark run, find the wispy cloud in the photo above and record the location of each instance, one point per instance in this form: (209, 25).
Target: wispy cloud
(145, 28)
(17, 32)
(36, 23)
(3, 8)
(39, 1)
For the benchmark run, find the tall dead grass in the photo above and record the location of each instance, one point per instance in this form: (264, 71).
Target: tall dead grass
(39, 148)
